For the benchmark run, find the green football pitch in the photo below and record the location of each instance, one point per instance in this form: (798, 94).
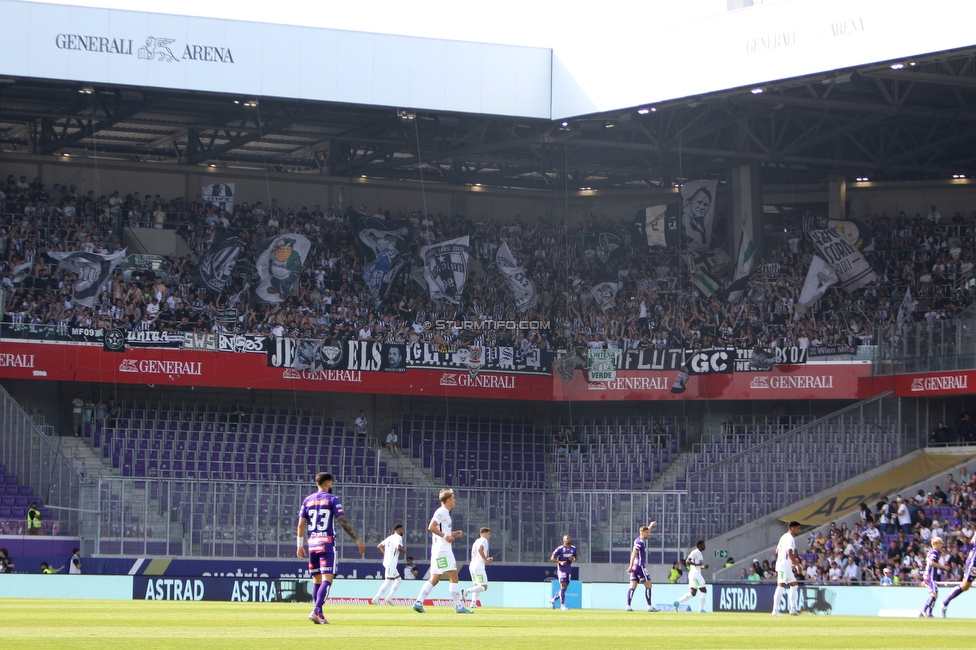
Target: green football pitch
(140, 625)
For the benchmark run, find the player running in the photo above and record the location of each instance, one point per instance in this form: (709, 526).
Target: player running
(441, 555)
(695, 563)
(391, 547)
(638, 567)
(317, 516)
(563, 556)
(479, 560)
(931, 576)
(968, 576)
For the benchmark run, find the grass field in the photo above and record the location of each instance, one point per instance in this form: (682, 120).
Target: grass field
(140, 625)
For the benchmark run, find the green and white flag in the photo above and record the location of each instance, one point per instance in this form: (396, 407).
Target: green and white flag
(744, 258)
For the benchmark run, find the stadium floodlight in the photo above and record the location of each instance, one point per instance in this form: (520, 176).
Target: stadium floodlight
(959, 176)
(897, 66)
(862, 179)
(758, 90)
(643, 111)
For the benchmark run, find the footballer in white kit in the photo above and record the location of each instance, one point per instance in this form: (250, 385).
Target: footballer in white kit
(441, 554)
(786, 559)
(696, 581)
(479, 560)
(391, 547)
(442, 561)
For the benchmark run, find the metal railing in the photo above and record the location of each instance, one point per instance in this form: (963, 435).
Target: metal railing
(37, 460)
(927, 347)
(797, 464)
(258, 520)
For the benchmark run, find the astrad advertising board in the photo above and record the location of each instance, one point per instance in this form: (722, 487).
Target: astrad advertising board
(173, 367)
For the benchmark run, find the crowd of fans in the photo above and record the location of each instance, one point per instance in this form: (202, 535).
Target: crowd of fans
(657, 306)
(889, 544)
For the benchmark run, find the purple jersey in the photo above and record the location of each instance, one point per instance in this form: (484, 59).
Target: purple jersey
(932, 572)
(563, 554)
(321, 510)
(969, 570)
(640, 560)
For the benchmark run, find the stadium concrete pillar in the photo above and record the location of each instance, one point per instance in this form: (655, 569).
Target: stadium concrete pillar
(747, 205)
(837, 197)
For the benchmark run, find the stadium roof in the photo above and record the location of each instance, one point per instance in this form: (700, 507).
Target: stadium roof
(903, 119)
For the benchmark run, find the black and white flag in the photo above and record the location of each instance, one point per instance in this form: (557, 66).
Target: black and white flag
(657, 226)
(853, 270)
(907, 307)
(93, 270)
(279, 262)
(857, 233)
(698, 212)
(523, 288)
(217, 263)
(316, 355)
(219, 195)
(386, 243)
(605, 293)
(609, 251)
(820, 277)
(446, 268)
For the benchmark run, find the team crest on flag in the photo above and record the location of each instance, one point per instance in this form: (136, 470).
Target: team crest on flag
(219, 195)
(93, 271)
(473, 359)
(446, 268)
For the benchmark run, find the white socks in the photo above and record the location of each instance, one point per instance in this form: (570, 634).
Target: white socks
(685, 598)
(392, 585)
(777, 598)
(424, 592)
(396, 585)
(473, 592)
(794, 595)
(455, 589)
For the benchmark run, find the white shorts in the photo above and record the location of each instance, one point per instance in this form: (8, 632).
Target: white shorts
(696, 580)
(390, 573)
(784, 575)
(478, 574)
(442, 562)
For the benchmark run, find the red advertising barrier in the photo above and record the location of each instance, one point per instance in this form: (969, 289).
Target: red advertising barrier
(175, 367)
(949, 382)
(807, 381)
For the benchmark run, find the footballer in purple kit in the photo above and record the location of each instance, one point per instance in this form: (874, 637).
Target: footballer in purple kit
(638, 567)
(931, 576)
(968, 577)
(563, 556)
(317, 517)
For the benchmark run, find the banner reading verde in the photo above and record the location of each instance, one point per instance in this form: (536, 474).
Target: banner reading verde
(926, 466)
(602, 364)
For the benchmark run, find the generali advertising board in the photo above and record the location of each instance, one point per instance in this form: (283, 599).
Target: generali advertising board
(174, 367)
(950, 382)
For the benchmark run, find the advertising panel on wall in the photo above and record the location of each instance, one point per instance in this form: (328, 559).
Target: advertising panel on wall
(954, 382)
(809, 381)
(174, 367)
(270, 364)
